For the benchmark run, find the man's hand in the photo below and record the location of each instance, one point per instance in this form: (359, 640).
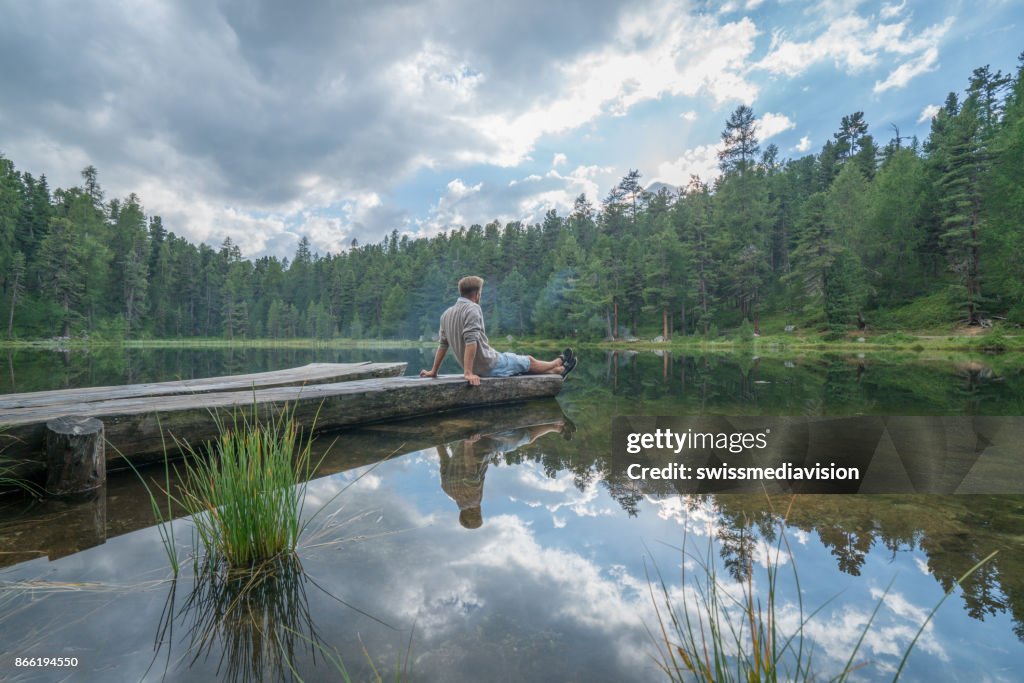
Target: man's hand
(438, 357)
(474, 380)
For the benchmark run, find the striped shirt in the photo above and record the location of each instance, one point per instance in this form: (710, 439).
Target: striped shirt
(463, 324)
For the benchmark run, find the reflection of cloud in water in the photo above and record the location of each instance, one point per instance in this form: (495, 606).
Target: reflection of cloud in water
(892, 630)
(581, 503)
(457, 585)
(576, 602)
(700, 518)
(506, 581)
(613, 602)
(527, 503)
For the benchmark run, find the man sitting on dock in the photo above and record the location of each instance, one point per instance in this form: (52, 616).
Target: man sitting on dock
(462, 328)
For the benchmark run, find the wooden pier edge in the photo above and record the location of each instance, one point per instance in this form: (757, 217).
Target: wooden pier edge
(140, 429)
(312, 373)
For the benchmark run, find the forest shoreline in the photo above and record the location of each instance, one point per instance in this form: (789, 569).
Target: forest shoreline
(992, 342)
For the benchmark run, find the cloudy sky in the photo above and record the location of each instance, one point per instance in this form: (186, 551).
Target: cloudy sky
(258, 121)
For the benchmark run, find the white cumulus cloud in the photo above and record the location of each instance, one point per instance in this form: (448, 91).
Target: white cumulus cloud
(904, 73)
(701, 161)
(928, 113)
(771, 124)
(855, 43)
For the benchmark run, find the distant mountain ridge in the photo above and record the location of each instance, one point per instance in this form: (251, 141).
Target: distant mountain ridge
(656, 187)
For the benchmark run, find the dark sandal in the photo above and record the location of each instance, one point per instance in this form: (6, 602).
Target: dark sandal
(568, 367)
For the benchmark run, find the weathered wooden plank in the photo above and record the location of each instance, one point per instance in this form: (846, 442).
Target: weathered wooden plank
(314, 373)
(141, 426)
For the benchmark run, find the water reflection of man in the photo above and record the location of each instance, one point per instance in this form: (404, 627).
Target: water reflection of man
(464, 465)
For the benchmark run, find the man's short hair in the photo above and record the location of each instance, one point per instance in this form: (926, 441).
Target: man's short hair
(471, 518)
(470, 285)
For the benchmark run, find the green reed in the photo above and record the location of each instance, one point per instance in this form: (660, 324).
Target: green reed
(246, 495)
(9, 474)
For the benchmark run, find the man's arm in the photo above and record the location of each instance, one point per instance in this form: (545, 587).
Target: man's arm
(438, 357)
(467, 364)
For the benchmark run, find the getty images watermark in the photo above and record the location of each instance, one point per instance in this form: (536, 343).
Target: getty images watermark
(819, 454)
(731, 442)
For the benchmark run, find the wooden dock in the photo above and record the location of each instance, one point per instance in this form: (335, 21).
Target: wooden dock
(139, 427)
(314, 373)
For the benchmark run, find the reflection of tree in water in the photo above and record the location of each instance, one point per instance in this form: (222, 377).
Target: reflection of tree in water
(627, 493)
(842, 385)
(739, 537)
(954, 532)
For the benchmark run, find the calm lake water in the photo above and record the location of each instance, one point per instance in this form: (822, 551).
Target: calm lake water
(507, 544)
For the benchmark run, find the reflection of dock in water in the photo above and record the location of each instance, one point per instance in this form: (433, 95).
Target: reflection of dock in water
(55, 528)
(372, 443)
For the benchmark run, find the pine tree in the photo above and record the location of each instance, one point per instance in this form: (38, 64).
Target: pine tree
(663, 277)
(10, 211)
(816, 249)
(1004, 197)
(891, 238)
(739, 142)
(62, 263)
(959, 154)
(843, 290)
(394, 312)
(696, 238)
(630, 191)
(36, 212)
(16, 288)
(515, 312)
(131, 253)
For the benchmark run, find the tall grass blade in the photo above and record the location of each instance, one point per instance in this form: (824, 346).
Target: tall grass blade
(935, 609)
(717, 636)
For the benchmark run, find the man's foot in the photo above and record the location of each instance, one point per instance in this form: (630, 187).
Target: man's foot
(568, 367)
(567, 355)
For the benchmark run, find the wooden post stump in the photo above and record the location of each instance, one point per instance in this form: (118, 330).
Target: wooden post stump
(75, 455)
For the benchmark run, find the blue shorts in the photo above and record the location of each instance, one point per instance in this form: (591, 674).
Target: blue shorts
(510, 364)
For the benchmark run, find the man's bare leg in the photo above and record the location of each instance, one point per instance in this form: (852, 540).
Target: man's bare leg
(541, 367)
(541, 430)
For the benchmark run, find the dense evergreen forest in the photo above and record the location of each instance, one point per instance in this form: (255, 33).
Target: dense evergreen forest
(833, 241)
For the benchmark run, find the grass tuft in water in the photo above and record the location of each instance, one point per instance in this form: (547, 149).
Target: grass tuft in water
(9, 477)
(246, 497)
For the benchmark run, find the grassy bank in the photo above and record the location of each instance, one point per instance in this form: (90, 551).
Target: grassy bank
(212, 343)
(992, 340)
